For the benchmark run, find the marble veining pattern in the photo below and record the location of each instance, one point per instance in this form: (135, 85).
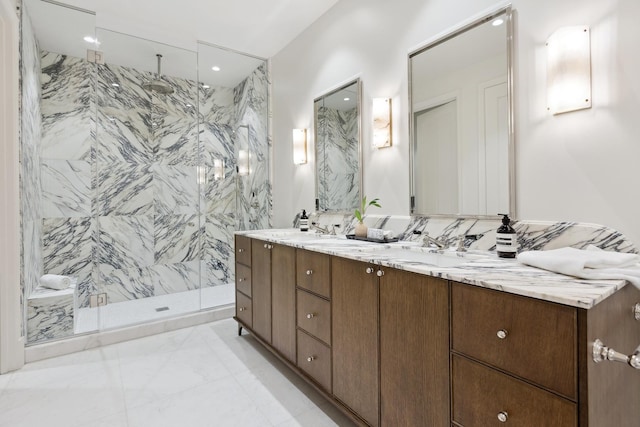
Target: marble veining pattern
(338, 159)
(30, 135)
(126, 211)
(50, 314)
(479, 268)
(66, 188)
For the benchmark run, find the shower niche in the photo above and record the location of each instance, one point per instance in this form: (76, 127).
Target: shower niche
(139, 181)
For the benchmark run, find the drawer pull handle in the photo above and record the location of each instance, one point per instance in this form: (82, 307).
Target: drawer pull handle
(309, 272)
(380, 273)
(503, 416)
(310, 315)
(242, 309)
(311, 359)
(636, 311)
(240, 250)
(502, 334)
(369, 270)
(266, 246)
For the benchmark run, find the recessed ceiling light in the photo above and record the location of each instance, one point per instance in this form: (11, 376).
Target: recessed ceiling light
(215, 68)
(188, 105)
(347, 99)
(115, 85)
(206, 86)
(497, 22)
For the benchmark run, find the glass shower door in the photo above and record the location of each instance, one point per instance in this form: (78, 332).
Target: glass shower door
(149, 213)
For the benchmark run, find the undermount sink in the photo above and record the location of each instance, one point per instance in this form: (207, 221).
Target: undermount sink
(436, 259)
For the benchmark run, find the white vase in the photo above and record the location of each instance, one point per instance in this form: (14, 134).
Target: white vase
(361, 230)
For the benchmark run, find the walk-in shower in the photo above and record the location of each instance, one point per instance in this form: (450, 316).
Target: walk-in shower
(119, 184)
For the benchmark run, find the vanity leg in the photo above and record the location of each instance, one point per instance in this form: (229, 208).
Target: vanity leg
(239, 330)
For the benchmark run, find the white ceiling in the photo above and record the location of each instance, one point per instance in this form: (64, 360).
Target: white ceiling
(255, 27)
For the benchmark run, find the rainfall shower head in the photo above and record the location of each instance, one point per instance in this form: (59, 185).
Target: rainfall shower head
(157, 84)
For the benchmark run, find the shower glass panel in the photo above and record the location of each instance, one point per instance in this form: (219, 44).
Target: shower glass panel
(149, 181)
(233, 94)
(140, 161)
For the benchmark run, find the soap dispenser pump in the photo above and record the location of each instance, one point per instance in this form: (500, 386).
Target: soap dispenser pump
(304, 221)
(506, 239)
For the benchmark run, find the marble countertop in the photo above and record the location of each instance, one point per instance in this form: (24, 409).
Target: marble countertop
(479, 268)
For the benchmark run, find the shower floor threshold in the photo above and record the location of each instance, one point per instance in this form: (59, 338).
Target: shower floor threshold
(126, 313)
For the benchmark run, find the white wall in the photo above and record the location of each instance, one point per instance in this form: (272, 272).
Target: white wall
(580, 166)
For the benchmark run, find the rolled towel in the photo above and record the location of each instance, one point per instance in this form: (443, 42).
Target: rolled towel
(55, 281)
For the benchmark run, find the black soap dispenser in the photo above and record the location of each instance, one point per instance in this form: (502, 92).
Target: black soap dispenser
(304, 221)
(506, 239)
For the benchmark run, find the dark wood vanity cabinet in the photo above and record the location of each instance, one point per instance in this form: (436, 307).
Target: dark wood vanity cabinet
(283, 301)
(313, 316)
(414, 350)
(354, 306)
(394, 348)
(261, 288)
(244, 304)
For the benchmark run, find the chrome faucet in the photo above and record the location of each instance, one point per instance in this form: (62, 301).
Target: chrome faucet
(428, 240)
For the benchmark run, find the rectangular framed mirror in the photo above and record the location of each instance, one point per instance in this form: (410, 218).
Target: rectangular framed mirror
(337, 123)
(461, 121)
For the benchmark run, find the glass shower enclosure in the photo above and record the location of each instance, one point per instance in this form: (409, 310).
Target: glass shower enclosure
(156, 160)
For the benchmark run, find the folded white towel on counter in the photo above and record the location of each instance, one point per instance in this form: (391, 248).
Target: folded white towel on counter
(55, 281)
(592, 263)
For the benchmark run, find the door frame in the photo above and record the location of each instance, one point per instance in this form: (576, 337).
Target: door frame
(11, 337)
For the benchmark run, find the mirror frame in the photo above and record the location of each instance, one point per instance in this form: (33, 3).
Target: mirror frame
(358, 82)
(508, 14)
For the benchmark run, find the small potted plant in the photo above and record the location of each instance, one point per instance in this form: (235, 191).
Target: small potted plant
(361, 229)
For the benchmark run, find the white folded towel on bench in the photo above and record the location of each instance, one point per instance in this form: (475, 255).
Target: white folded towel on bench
(592, 263)
(55, 281)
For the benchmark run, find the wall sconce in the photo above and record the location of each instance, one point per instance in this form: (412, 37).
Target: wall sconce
(243, 162)
(299, 146)
(218, 169)
(381, 122)
(569, 70)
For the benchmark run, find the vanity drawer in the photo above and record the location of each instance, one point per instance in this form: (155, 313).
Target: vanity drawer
(481, 395)
(314, 358)
(243, 309)
(243, 279)
(243, 250)
(314, 315)
(532, 339)
(313, 272)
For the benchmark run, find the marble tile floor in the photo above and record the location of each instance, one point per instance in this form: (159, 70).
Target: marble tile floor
(133, 312)
(205, 375)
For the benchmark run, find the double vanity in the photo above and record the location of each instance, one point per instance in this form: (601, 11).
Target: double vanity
(399, 334)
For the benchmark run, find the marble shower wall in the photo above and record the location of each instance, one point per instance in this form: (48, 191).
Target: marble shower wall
(254, 190)
(124, 208)
(31, 205)
(338, 165)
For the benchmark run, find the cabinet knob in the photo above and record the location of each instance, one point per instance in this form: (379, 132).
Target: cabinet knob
(636, 311)
(503, 416)
(502, 334)
(240, 250)
(310, 315)
(309, 272)
(241, 309)
(380, 273)
(369, 270)
(311, 359)
(241, 280)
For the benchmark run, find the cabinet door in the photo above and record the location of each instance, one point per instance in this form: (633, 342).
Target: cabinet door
(414, 350)
(283, 293)
(261, 288)
(354, 308)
